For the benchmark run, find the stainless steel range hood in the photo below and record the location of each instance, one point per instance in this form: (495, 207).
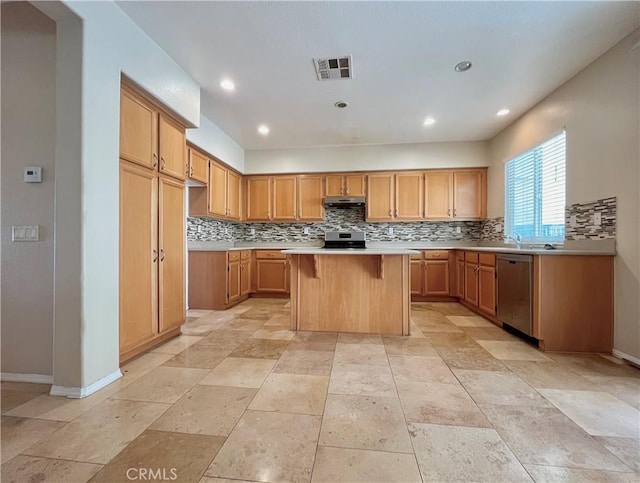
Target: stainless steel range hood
(344, 201)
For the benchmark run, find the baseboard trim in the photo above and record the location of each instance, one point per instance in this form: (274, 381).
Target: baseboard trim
(81, 392)
(33, 378)
(626, 357)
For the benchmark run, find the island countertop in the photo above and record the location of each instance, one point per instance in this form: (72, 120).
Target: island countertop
(351, 251)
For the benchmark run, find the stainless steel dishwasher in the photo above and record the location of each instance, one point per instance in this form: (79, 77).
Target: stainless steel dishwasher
(515, 291)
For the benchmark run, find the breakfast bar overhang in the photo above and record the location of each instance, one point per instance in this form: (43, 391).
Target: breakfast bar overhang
(364, 291)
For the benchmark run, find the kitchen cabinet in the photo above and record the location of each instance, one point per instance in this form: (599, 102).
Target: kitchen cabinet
(436, 272)
(152, 224)
(417, 274)
(469, 194)
(219, 279)
(460, 275)
(258, 199)
(217, 189)
(487, 283)
(345, 185)
(272, 272)
(395, 196)
(198, 166)
(471, 278)
(310, 206)
(234, 195)
(438, 195)
(284, 198)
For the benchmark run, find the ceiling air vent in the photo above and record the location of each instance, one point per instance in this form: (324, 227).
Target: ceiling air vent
(333, 68)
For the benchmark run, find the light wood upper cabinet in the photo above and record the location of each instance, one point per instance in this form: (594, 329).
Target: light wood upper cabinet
(334, 185)
(234, 192)
(172, 147)
(217, 188)
(258, 199)
(284, 198)
(138, 255)
(355, 185)
(138, 130)
(438, 195)
(198, 166)
(469, 198)
(380, 199)
(171, 243)
(310, 207)
(409, 193)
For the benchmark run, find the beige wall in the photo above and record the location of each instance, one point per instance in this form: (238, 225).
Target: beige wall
(365, 158)
(28, 138)
(600, 108)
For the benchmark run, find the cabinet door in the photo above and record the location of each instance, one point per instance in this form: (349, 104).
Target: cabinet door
(284, 198)
(310, 206)
(198, 166)
(468, 194)
(416, 277)
(333, 185)
(245, 277)
(438, 196)
(409, 192)
(172, 236)
(258, 199)
(233, 281)
(217, 190)
(138, 130)
(271, 276)
(172, 147)
(233, 195)
(380, 197)
(355, 185)
(471, 283)
(460, 278)
(487, 289)
(436, 277)
(138, 255)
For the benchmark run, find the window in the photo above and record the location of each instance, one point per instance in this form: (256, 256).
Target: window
(535, 193)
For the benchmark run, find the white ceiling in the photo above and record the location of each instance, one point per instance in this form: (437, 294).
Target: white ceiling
(403, 59)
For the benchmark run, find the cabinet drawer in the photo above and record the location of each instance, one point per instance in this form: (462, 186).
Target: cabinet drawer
(460, 256)
(488, 259)
(270, 255)
(245, 254)
(233, 256)
(436, 255)
(417, 256)
(471, 257)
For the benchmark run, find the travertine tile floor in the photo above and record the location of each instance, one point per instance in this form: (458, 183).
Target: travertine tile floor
(239, 397)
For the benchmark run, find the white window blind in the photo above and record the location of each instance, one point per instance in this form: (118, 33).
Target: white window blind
(535, 193)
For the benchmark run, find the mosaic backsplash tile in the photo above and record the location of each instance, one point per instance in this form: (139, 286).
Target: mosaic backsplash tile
(585, 229)
(211, 230)
(493, 229)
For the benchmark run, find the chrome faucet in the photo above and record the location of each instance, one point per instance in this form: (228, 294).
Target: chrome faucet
(517, 239)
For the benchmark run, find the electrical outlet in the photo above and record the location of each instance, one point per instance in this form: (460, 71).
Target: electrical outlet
(199, 229)
(252, 231)
(390, 230)
(305, 230)
(573, 221)
(226, 230)
(597, 218)
(458, 229)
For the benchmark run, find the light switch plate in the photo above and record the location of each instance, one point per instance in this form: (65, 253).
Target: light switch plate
(390, 230)
(597, 218)
(252, 231)
(306, 230)
(573, 221)
(33, 174)
(458, 229)
(24, 233)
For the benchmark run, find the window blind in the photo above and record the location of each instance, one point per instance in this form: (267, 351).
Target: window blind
(535, 188)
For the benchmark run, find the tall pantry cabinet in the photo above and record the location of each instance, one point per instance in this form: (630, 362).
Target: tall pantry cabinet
(152, 224)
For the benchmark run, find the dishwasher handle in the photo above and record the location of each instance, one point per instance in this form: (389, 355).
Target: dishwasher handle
(512, 258)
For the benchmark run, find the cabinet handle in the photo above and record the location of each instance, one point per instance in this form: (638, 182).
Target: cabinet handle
(346, 190)
(454, 212)
(390, 213)
(449, 212)
(191, 171)
(162, 162)
(161, 255)
(155, 255)
(155, 160)
(396, 212)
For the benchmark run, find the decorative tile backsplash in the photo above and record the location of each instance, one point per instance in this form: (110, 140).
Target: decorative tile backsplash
(211, 230)
(585, 228)
(493, 229)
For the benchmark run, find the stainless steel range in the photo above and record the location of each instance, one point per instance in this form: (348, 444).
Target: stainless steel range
(345, 239)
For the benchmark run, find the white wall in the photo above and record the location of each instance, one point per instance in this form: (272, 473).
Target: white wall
(28, 138)
(215, 141)
(92, 54)
(600, 108)
(366, 158)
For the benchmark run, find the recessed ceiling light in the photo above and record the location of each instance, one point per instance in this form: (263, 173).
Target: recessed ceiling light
(264, 130)
(341, 104)
(503, 112)
(463, 66)
(227, 85)
(429, 121)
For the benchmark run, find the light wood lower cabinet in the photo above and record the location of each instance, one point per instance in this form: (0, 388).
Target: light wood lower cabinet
(430, 275)
(245, 277)
(272, 272)
(417, 277)
(234, 282)
(436, 277)
(471, 281)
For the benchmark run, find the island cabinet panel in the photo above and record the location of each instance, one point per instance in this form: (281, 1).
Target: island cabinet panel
(258, 199)
(380, 200)
(438, 195)
(138, 130)
(198, 166)
(172, 141)
(351, 293)
(310, 207)
(469, 197)
(409, 192)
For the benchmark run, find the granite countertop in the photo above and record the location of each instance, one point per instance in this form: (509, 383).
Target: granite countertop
(351, 251)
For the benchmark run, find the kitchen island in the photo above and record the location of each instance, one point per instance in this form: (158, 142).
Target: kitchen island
(350, 290)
